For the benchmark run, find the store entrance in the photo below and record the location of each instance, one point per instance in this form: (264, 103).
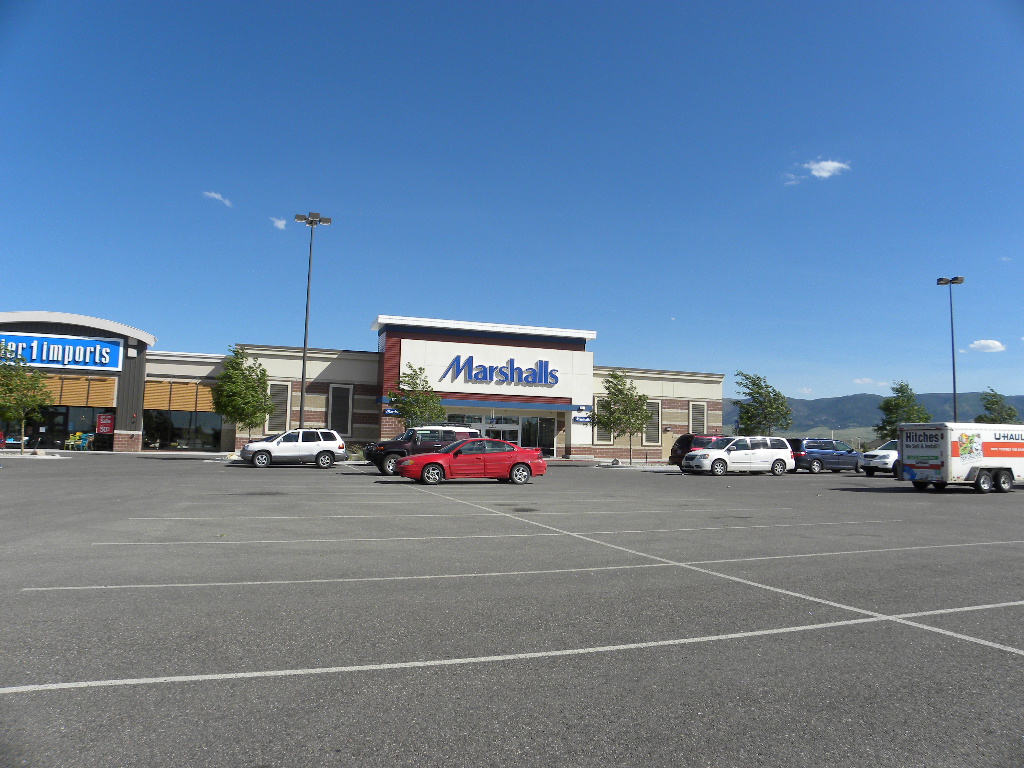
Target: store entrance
(525, 431)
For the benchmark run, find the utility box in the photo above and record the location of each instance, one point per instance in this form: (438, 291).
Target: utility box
(988, 456)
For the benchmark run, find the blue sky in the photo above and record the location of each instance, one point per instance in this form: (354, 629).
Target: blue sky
(711, 186)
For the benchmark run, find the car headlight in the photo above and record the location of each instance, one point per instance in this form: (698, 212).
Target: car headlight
(703, 456)
(406, 463)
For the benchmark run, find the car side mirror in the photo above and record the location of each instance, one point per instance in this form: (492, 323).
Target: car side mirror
(457, 454)
(730, 449)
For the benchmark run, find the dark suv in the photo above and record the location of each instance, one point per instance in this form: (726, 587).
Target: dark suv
(685, 444)
(815, 454)
(426, 439)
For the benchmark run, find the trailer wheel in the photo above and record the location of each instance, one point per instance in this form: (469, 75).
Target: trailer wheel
(983, 483)
(1003, 481)
(920, 485)
(940, 486)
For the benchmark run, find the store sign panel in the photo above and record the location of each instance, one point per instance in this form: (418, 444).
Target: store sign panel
(499, 369)
(41, 350)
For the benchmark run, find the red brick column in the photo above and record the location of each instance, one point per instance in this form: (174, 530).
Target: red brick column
(127, 441)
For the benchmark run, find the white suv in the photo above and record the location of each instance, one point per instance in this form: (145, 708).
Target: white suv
(741, 454)
(297, 446)
(884, 458)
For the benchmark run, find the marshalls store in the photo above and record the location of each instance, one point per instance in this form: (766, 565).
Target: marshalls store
(529, 385)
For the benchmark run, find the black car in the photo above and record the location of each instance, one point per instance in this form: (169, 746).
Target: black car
(815, 454)
(426, 439)
(686, 443)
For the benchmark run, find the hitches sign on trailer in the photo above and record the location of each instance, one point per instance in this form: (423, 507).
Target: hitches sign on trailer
(41, 350)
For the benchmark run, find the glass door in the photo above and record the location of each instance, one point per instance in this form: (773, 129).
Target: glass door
(538, 432)
(503, 428)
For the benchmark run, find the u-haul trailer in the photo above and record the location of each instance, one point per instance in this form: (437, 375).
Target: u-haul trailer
(987, 456)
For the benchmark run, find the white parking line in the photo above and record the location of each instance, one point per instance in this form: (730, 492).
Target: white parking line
(901, 619)
(447, 514)
(323, 517)
(553, 532)
(349, 580)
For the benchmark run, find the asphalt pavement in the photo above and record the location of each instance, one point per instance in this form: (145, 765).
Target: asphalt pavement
(169, 611)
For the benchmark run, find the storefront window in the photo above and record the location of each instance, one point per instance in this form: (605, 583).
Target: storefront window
(181, 430)
(56, 425)
(468, 419)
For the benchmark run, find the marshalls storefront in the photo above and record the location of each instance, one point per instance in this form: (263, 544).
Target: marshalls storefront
(532, 386)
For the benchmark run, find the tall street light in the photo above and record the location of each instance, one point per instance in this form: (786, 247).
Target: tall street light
(951, 281)
(311, 221)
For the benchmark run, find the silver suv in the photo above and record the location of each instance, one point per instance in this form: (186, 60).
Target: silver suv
(297, 446)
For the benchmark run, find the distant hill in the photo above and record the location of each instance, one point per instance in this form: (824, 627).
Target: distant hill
(860, 412)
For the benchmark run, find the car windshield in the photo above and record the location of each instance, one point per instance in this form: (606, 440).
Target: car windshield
(409, 434)
(890, 446)
(452, 447)
(701, 442)
(720, 443)
(268, 439)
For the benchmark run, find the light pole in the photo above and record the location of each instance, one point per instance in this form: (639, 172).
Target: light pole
(951, 281)
(311, 221)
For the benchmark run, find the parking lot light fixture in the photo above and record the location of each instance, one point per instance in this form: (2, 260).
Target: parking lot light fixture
(311, 220)
(951, 281)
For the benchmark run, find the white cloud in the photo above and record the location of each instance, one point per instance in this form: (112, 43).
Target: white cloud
(218, 196)
(871, 383)
(1005, 258)
(823, 169)
(805, 390)
(279, 223)
(792, 178)
(988, 345)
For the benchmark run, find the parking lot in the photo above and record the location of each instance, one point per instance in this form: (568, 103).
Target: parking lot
(168, 612)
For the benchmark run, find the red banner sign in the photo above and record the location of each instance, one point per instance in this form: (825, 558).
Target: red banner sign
(105, 424)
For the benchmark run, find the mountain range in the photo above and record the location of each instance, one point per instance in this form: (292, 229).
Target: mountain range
(861, 411)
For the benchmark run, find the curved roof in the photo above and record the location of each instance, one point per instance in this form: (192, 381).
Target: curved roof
(84, 320)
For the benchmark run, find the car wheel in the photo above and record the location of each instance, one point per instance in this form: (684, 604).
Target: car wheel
(815, 467)
(388, 465)
(432, 474)
(1003, 481)
(856, 468)
(325, 459)
(719, 467)
(261, 459)
(778, 467)
(869, 471)
(983, 483)
(520, 474)
(940, 485)
(920, 485)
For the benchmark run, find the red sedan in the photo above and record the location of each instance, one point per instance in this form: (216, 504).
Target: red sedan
(480, 457)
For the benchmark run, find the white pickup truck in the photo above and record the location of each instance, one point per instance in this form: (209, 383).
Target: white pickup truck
(987, 456)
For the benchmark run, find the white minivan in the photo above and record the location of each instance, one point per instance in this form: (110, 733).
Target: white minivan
(741, 454)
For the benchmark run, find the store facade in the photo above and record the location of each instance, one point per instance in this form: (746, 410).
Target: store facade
(530, 385)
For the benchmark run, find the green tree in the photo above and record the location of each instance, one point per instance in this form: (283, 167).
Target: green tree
(764, 410)
(997, 410)
(23, 391)
(415, 400)
(622, 411)
(242, 391)
(901, 408)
